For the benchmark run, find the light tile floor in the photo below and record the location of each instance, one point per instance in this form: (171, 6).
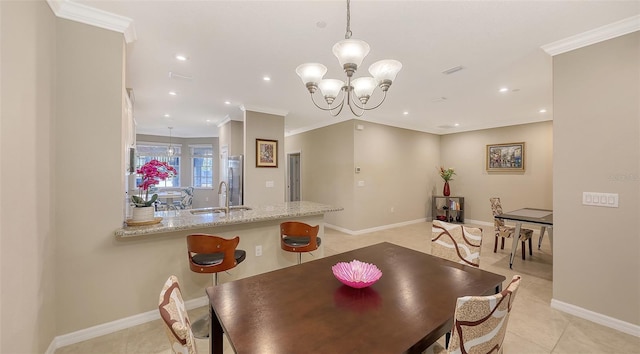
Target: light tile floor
(534, 327)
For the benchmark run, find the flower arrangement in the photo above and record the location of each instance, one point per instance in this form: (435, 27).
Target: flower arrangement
(152, 173)
(447, 175)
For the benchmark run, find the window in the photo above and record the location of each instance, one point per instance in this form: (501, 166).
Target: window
(202, 165)
(146, 152)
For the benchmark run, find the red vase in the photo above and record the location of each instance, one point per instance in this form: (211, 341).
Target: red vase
(446, 192)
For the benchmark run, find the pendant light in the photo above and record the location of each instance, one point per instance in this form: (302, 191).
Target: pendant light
(170, 150)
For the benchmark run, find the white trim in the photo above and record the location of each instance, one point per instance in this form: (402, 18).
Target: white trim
(378, 228)
(593, 36)
(117, 325)
(267, 110)
(95, 17)
(618, 325)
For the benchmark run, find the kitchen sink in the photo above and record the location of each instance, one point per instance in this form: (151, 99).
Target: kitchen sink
(219, 210)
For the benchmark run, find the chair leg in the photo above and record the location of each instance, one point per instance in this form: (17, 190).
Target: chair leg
(523, 249)
(530, 248)
(502, 245)
(495, 245)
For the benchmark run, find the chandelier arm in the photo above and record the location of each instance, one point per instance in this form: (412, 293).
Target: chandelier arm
(339, 110)
(330, 109)
(350, 100)
(322, 108)
(379, 104)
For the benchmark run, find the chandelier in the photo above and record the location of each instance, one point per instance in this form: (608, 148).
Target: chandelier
(170, 150)
(350, 53)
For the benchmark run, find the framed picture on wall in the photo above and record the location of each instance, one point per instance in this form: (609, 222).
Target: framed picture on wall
(505, 157)
(266, 153)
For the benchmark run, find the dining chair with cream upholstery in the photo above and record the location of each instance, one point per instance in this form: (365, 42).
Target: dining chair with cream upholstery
(299, 237)
(480, 322)
(457, 243)
(175, 318)
(503, 231)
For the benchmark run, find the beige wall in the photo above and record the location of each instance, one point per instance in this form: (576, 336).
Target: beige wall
(88, 176)
(397, 167)
(27, 239)
(326, 169)
(597, 149)
(466, 153)
(270, 127)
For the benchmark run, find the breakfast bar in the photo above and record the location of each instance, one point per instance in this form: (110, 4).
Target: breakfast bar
(257, 226)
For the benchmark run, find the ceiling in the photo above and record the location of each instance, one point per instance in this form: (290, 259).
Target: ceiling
(232, 45)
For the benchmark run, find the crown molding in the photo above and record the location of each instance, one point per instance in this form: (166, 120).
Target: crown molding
(267, 110)
(95, 17)
(593, 36)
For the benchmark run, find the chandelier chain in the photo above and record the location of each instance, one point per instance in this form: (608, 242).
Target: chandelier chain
(347, 35)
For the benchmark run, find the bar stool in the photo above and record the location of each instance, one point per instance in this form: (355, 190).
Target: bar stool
(211, 254)
(299, 237)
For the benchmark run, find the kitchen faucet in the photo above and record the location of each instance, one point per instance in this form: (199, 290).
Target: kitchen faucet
(226, 196)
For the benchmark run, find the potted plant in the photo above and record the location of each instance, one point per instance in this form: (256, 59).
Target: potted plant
(152, 173)
(447, 175)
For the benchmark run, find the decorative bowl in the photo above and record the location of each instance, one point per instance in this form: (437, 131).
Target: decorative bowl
(356, 274)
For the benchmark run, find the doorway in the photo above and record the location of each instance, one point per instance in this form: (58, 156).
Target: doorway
(293, 177)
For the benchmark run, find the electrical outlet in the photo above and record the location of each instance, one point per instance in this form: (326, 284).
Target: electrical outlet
(258, 250)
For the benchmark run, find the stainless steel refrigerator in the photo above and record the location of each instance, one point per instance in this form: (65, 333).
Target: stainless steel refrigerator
(235, 179)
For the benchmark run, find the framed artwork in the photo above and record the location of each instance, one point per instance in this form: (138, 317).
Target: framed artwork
(505, 157)
(266, 153)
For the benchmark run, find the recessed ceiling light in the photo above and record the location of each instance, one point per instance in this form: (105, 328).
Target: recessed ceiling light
(542, 110)
(266, 78)
(504, 89)
(173, 93)
(167, 115)
(406, 113)
(227, 102)
(456, 124)
(181, 57)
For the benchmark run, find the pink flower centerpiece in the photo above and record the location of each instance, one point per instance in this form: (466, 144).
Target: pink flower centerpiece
(152, 173)
(356, 274)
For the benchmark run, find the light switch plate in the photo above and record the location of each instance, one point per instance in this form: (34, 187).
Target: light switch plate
(608, 200)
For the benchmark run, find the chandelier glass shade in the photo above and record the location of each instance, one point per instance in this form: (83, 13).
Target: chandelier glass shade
(350, 53)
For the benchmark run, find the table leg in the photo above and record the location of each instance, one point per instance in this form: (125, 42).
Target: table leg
(215, 335)
(514, 242)
(542, 229)
(550, 232)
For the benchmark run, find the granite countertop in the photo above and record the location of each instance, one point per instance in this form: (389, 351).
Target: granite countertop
(186, 220)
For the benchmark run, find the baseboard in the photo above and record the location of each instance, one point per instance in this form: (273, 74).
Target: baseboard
(114, 326)
(378, 228)
(618, 325)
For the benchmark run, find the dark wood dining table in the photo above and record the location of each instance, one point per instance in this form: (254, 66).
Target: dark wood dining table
(305, 309)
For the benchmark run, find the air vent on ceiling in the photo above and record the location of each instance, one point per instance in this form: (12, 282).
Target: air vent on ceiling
(438, 99)
(173, 75)
(453, 70)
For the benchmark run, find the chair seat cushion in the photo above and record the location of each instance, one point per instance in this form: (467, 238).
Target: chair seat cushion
(507, 231)
(209, 259)
(299, 241)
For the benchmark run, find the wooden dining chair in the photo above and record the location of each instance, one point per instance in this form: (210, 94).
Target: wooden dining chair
(480, 322)
(457, 243)
(299, 237)
(175, 318)
(503, 231)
